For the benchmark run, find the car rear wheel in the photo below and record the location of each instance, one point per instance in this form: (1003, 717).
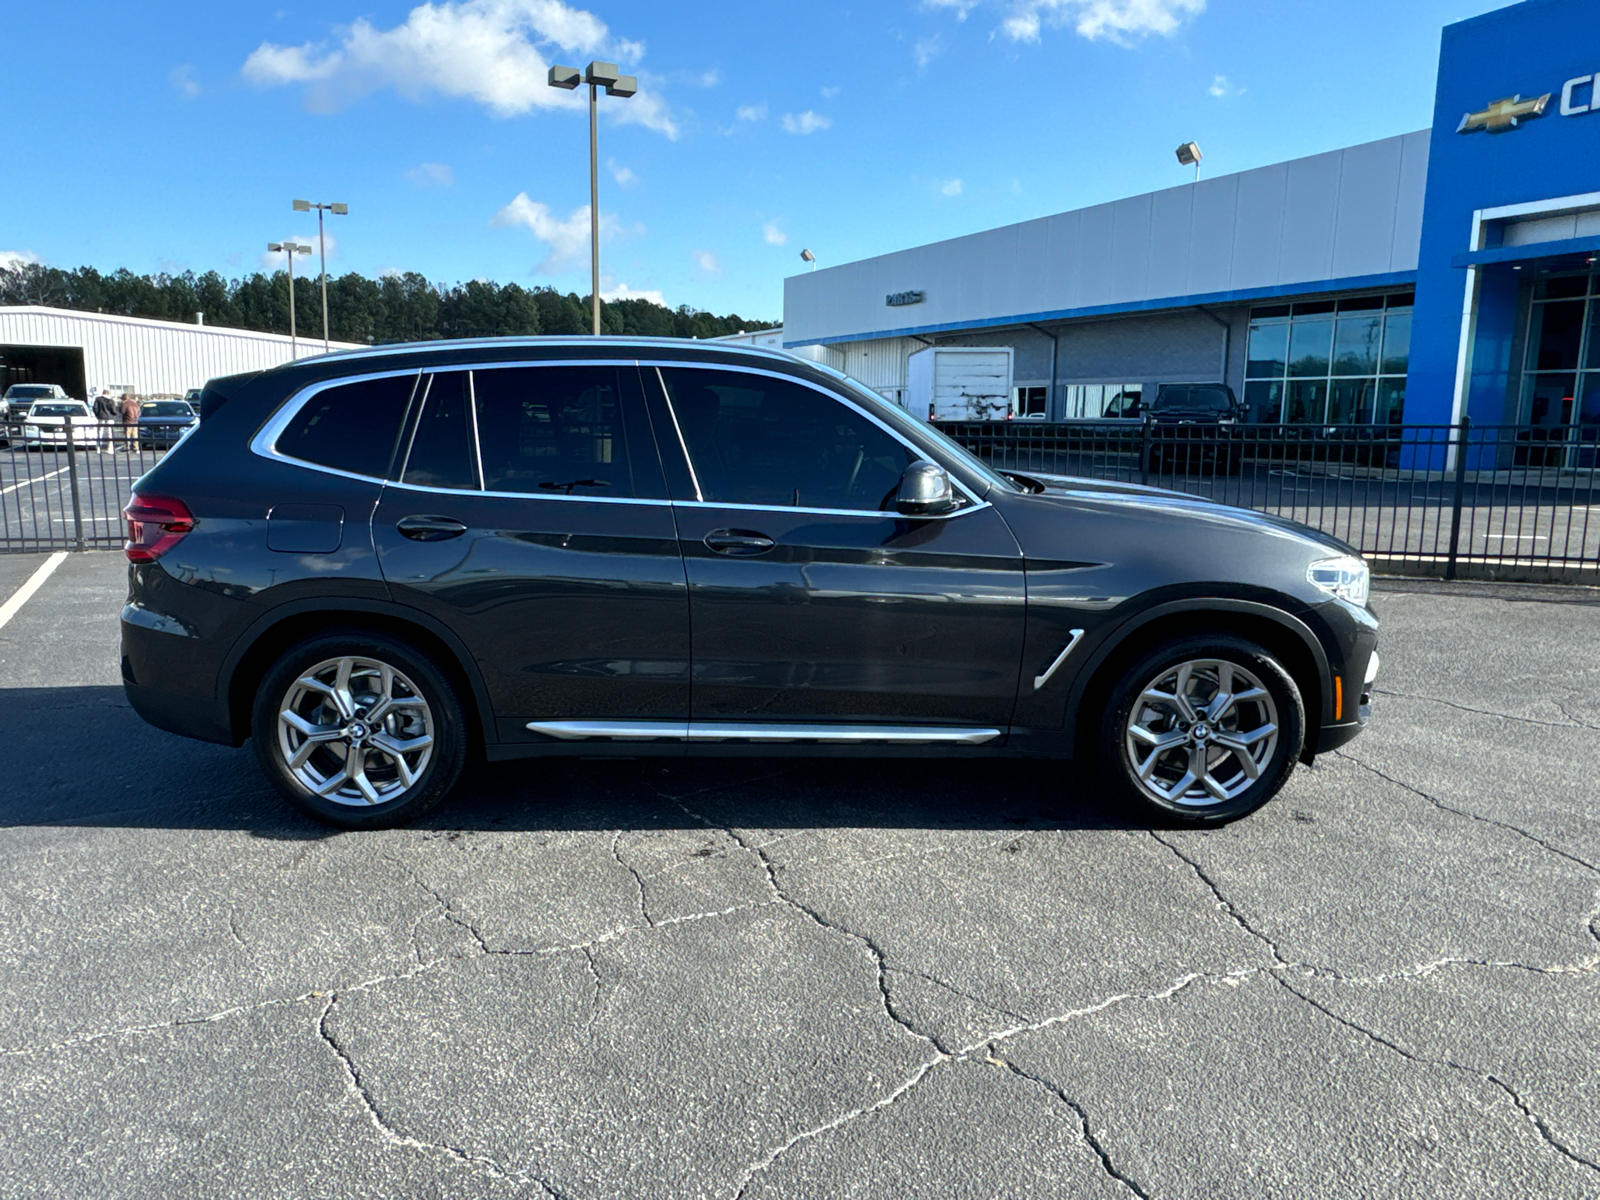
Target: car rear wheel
(359, 730)
(1201, 730)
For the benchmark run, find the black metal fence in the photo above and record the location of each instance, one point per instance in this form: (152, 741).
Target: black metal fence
(62, 486)
(1513, 502)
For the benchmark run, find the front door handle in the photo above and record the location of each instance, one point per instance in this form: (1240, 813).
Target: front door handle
(430, 529)
(738, 543)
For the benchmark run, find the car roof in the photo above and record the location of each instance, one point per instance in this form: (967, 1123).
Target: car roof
(509, 347)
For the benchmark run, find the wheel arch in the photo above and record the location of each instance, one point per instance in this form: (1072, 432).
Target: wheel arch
(1287, 637)
(259, 647)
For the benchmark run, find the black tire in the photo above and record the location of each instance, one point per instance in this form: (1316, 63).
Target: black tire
(439, 715)
(1281, 706)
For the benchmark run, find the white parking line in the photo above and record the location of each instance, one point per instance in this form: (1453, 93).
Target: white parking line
(35, 581)
(31, 482)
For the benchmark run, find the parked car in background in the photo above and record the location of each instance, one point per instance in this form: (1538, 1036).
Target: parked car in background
(47, 421)
(1193, 429)
(20, 397)
(162, 423)
(379, 564)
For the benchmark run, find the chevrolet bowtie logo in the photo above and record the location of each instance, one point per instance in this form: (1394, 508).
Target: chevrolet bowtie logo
(1504, 114)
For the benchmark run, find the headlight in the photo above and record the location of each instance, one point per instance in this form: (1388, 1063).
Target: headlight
(1346, 577)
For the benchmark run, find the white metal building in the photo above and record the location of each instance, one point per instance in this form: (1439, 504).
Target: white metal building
(84, 352)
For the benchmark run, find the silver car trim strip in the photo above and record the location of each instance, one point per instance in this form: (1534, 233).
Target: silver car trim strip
(672, 411)
(1074, 636)
(776, 732)
(265, 442)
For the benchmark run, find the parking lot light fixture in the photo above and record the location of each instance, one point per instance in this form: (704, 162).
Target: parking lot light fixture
(808, 257)
(338, 210)
(1189, 155)
(598, 75)
(290, 249)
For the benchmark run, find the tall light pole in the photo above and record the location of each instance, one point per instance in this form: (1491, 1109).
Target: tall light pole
(290, 249)
(338, 210)
(598, 75)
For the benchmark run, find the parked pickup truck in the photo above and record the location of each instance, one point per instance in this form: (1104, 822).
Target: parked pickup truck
(1193, 428)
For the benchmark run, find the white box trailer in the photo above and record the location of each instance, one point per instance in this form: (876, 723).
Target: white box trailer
(960, 383)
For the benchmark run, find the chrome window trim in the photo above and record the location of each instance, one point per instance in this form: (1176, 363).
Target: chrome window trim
(438, 491)
(767, 731)
(265, 441)
(919, 452)
(472, 420)
(977, 506)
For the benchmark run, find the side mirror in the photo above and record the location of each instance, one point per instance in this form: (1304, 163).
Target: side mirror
(924, 491)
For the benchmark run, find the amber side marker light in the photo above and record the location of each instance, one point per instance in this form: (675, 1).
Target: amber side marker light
(1338, 698)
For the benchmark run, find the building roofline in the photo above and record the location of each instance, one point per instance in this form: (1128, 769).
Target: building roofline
(1241, 296)
(153, 323)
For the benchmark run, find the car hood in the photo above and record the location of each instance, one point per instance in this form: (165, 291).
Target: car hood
(1175, 516)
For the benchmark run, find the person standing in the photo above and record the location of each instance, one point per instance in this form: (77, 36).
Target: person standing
(105, 411)
(130, 420)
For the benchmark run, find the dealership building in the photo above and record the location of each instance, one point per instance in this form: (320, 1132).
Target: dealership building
(1430, 276)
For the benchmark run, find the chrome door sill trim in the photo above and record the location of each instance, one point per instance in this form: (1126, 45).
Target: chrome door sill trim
(733, 731)
(1040, 680)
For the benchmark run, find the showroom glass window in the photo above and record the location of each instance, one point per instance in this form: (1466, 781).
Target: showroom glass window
(761, 439)
(1561, 366)
(1327, 362)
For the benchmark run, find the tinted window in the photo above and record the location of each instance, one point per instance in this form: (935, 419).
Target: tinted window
(554, 429)
(352, 427)
(441, 445)
(755, 439)
(167, 408)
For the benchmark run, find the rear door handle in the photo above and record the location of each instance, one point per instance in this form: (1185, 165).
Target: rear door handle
(738, 543)
(430, 529)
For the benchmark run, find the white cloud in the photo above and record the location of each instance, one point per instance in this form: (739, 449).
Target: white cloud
(567, 239)
(773, 235)
(708, 262)
(432, 175)
(927, 49)
(806, 122)
(950, 187)
(1222, 86)
(621, 291)
(183, 81)
(489, 51)
(10, 259)
(1114, 20)
(750, 112)
(304, 264)
(709, 79)
(828, 93)
(623, 175)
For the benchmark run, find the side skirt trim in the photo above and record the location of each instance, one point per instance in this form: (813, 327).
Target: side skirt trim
(732, 731)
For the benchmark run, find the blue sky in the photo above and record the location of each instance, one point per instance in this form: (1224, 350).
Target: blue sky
(166, 136)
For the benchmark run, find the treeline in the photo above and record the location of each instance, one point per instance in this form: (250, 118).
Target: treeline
(395, 308)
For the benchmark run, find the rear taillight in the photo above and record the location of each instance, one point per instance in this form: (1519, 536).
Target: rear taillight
(155, 525)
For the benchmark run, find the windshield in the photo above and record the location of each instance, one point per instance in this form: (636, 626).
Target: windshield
(1195, 399)
(167, 408)
(60, 410)
(904, 423)
(24, 391)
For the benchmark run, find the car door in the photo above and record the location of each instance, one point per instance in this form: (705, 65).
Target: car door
(530, 516)
(811, 600)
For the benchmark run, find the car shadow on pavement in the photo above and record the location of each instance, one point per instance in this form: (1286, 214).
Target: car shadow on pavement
(82, 757)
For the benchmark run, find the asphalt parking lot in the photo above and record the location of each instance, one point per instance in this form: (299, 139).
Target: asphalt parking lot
(781, 979)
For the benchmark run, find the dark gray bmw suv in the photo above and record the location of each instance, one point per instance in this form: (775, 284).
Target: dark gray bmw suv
(377, 564)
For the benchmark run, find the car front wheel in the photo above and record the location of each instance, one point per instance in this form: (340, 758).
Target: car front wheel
(359, 730)
(1201, 730)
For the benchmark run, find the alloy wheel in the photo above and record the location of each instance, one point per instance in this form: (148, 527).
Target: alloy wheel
(1200, 733)
(355, 731)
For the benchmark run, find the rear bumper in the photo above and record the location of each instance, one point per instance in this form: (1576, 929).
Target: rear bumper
(168, 680)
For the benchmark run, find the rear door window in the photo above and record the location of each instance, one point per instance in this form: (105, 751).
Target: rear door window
(442, 453)
(351, 427)
(565, 430)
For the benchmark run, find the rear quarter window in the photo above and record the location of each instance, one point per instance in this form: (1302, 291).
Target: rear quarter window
(351, 426)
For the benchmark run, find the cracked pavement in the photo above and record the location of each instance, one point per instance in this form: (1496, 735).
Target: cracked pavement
(777, 979)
